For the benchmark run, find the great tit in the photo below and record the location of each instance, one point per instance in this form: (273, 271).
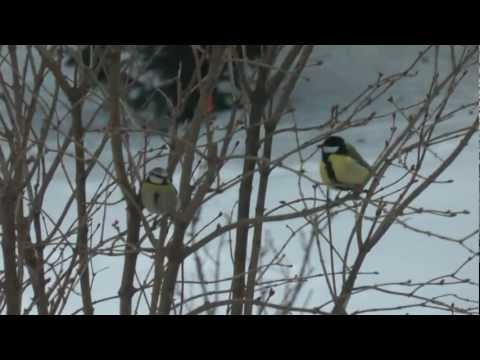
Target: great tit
(341, 166)
(159, 196)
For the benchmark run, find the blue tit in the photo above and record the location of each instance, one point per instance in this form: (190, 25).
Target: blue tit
(342, 167)
(159, 196)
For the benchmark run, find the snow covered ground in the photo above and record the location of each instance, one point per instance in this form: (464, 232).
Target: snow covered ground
(402, 255)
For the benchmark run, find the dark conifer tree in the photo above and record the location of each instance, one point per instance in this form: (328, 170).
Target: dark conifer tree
(164, 62)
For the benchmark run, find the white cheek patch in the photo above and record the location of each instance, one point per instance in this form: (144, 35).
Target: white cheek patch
(156, 179)
(330, 149)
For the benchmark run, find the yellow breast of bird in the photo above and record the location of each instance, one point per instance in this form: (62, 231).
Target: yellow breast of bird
(159, 198)
(347, 171)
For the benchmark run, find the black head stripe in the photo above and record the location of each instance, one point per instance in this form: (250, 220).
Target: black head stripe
(330, 172)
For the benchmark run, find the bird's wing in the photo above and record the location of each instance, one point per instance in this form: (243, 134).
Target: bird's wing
(354, 154)
(173, 188)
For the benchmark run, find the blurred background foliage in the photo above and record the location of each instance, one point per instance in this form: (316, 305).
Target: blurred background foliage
(151, 74)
